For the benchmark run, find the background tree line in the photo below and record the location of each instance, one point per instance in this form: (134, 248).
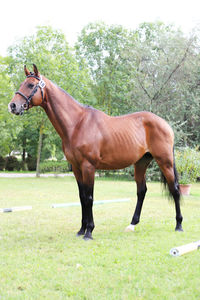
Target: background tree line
(154, 68)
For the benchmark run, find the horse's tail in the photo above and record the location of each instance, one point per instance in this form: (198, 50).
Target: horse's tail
(176, 181)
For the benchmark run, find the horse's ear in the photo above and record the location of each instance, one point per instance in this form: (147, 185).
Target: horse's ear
(35, 70)
(26, 71)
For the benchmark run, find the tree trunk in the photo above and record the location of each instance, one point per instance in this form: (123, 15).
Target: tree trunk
(24, 166)
(39, 150)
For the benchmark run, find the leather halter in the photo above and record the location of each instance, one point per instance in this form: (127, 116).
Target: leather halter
(41, 84)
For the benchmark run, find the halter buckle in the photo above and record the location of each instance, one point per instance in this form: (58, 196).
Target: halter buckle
(41, 84)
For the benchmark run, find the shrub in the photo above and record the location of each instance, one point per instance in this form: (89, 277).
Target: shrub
(153, 172)
(2, 163)
(188, 165)
(11, 163)
(31, 163)
(55, 166)
(21, 166)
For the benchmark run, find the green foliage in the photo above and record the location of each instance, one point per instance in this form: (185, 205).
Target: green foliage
(153, 172)
(55, 166)
(101, 46)
(8, 124)
(11, 163)
(2, 163)
(166, 77)
(188, 165)
(31, 162)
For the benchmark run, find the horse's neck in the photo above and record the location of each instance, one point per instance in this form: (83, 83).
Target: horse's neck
(63, 111)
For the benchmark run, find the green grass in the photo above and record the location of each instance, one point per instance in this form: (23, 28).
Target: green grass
(41, 258)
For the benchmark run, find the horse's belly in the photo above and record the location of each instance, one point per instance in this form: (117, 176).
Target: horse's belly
(112, 163)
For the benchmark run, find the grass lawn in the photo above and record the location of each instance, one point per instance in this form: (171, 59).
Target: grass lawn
(41, 258)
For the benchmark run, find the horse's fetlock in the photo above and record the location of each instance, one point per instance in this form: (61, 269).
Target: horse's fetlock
(135, 221)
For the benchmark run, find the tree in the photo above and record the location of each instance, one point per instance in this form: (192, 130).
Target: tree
(166, 79)
(8, 124)
(101, 47)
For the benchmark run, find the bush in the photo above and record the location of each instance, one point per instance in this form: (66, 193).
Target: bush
(2, 163)
(31, 163)
(21, 166)
(11, 163)
(153, 172)
(55, 166)
(188, 165)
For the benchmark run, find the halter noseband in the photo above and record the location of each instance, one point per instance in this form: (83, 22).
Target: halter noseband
(41, 84)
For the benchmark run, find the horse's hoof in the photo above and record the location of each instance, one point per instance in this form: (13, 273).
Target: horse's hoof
(87, 238)
(179, 228)
(80, 233)
(130, 228)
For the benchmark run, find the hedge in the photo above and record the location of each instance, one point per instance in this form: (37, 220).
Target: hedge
(2, 163)
(55, 166)
(11, 163)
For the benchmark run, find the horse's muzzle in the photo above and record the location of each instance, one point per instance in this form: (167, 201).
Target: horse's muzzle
(16, 109)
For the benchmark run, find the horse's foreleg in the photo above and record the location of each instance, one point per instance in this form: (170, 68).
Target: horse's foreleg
(87, 204)
(84, 221)
(140, 170)
(86, 186)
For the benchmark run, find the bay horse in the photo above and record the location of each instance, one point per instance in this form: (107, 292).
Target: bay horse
(92, 140)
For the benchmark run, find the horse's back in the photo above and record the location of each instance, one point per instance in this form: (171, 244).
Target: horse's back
(138, 122)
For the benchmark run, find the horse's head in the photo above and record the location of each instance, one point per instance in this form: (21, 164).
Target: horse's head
(31, 92)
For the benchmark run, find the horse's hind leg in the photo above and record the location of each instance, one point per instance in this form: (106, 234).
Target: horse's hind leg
(140, 170)
(169, 172)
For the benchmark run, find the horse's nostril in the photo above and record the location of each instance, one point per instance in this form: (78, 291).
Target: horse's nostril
(12, 106)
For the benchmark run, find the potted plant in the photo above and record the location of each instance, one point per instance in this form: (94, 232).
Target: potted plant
(188, 167)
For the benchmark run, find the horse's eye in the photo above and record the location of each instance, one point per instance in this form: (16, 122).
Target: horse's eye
(30, 85)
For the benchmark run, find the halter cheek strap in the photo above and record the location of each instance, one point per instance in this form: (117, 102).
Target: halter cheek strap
(41, 84)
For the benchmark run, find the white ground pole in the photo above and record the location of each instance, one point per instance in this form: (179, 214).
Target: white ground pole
(13, 209)
(95, 203)
(178, 251)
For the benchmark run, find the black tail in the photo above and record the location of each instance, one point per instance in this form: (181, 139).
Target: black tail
(176, 182)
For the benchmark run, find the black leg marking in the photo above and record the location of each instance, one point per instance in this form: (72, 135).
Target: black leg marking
(179, 218)
(140, 170)
(141, 192)
(83, 222)
(170, 179)
(86, 198)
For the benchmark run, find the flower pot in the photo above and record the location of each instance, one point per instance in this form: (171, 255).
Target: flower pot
(185, 189)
